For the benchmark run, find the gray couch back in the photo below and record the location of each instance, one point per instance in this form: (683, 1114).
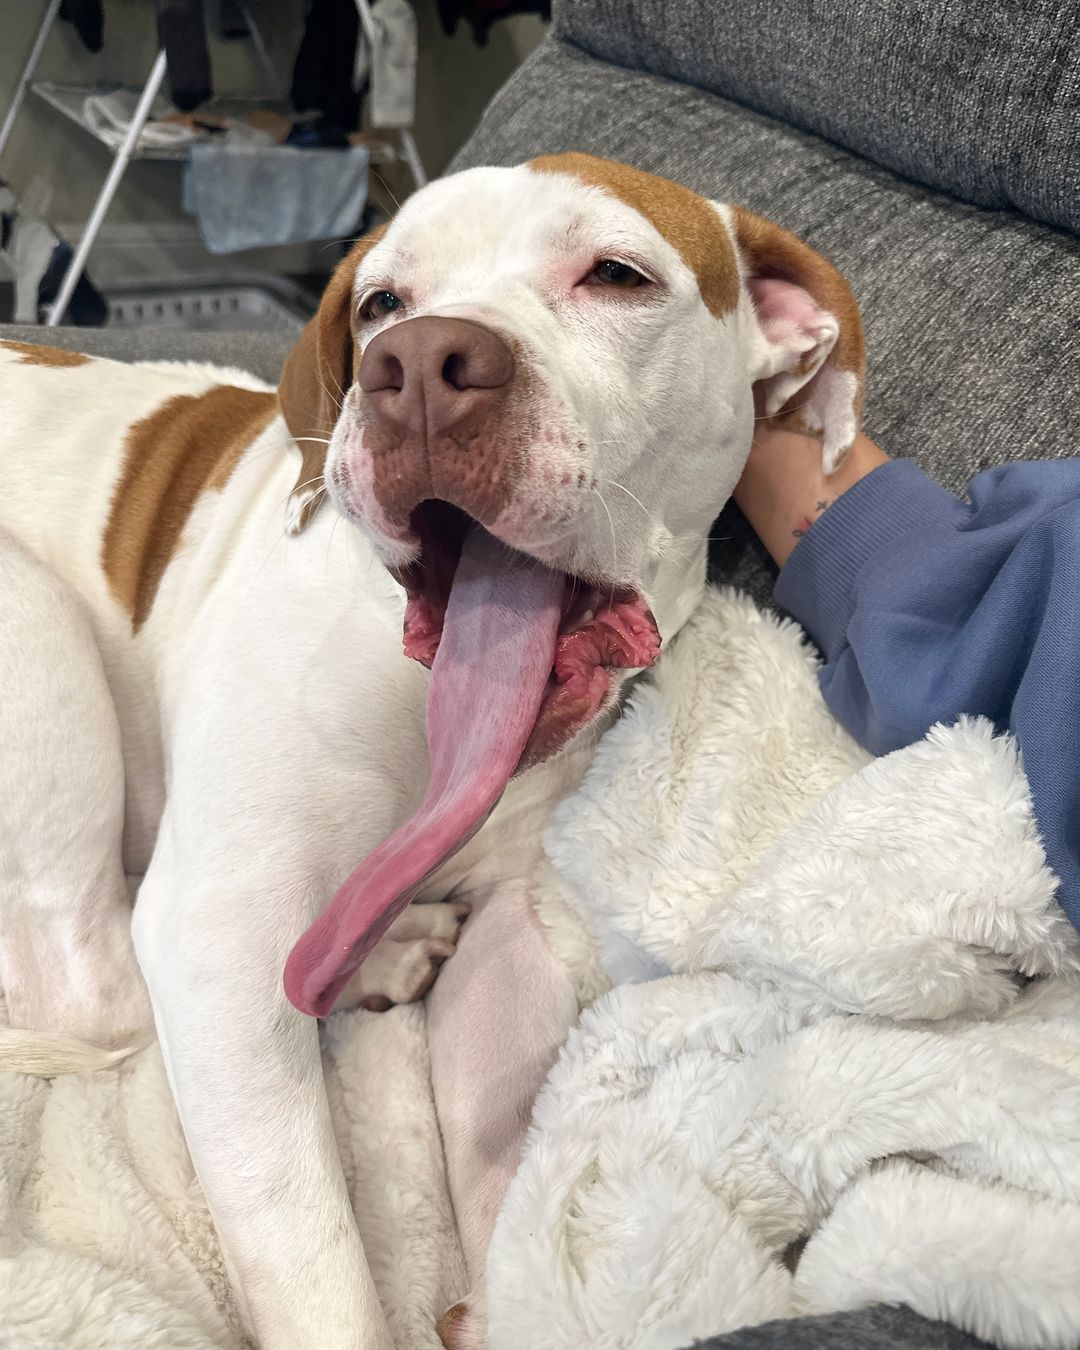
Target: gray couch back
(978, 97)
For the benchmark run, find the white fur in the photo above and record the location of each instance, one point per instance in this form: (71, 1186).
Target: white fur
(698, 1124)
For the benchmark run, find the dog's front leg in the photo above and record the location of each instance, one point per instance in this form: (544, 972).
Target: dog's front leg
(246, 1074)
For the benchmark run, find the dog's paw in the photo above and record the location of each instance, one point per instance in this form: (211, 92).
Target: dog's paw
(460, 1328)
(403, 967)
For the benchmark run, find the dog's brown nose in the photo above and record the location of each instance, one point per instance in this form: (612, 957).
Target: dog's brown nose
(429, 375)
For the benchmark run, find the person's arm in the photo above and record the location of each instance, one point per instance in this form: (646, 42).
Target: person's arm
(783, 489)
(926, 607)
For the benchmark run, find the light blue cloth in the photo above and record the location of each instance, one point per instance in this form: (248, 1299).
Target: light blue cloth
(252, 196)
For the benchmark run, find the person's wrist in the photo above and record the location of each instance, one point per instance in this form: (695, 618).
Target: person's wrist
(783, 489)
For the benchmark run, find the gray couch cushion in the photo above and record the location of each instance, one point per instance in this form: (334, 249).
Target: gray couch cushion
(261, 353)
(981, 99)
(970, 315)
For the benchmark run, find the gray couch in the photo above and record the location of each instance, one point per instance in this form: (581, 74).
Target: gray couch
(931, 148)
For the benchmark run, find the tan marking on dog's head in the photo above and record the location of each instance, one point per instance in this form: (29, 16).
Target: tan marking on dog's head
(188, 446)
(32, 355)
(317, 376)
(688, 222)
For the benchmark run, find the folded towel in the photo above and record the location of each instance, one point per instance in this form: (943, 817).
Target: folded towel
(109, 116)
(248, 197)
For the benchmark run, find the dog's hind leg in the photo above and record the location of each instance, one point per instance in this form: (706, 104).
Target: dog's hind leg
(497, 1018)
(67, 963)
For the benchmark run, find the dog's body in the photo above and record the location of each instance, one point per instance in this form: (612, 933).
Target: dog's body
(205, 687)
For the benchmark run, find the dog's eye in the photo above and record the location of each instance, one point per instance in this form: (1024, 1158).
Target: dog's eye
(382, 302)
(608, 272)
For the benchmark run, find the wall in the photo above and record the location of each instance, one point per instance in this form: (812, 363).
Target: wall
(146, 234)
(456, 78)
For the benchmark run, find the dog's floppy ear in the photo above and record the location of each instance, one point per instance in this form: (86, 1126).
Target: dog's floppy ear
(316, 378)
(811, 360)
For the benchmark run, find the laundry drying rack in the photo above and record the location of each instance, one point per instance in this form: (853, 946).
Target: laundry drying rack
(70, 100)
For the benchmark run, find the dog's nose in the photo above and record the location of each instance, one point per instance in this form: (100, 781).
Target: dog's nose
(429, 375)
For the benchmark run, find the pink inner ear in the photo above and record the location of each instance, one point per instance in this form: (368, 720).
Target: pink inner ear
(788, 315)
(795, 374)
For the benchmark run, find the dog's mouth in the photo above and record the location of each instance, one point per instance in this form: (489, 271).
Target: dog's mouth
(603, 627)
(522, 658)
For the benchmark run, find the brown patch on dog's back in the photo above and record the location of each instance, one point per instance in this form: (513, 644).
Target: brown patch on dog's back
(188, 446)
(690, 224)
(30, 354)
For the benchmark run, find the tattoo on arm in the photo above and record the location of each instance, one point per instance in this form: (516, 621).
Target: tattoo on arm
(805, 524)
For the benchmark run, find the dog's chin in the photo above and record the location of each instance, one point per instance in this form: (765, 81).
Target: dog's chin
(606, 628)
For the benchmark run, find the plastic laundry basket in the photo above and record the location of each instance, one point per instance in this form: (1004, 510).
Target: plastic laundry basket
(233, 303)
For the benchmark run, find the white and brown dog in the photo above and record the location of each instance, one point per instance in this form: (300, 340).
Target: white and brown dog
(529, 397)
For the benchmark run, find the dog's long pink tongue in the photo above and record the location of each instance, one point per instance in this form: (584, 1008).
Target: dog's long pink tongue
(487, 683)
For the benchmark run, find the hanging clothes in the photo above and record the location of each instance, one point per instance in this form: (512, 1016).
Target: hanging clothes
(182, 33)
(37, 260)
(88, 19)
(323, 74)
(481, 14)
(386, 64)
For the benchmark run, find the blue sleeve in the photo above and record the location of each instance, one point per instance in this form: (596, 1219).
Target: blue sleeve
(926, 608)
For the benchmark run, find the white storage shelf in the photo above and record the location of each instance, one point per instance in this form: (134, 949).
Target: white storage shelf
(69, 99)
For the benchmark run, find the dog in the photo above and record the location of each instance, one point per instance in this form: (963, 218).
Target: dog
(517, 412)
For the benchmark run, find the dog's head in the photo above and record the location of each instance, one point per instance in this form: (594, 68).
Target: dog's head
(554, 364)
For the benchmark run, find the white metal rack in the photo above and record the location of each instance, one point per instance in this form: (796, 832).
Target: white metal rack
(69, 100)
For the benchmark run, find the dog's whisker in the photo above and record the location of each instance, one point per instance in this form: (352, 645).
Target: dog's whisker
(284, 536)
(336, 398)
(281, 538)
(771, 417)
(644, 509)
(614, 550)
(306, 483)
(385, 186)
(329, 542)
(315, 497)
(275, 445)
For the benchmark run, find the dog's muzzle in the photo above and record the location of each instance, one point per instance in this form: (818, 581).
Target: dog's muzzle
(438, 405)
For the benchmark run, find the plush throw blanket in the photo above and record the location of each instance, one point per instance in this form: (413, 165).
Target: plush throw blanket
(821, 1079)
(846, 1090)
(105, 1238)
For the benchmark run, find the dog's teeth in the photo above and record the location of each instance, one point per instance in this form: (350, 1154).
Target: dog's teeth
(587, 617)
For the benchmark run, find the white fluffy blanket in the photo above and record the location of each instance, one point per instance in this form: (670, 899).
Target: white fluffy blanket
(842, 1095)
(105, 1238)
